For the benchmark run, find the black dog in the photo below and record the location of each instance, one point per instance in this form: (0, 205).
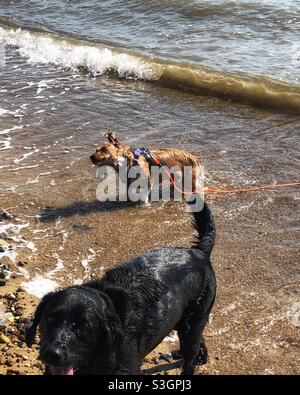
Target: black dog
(108, 326)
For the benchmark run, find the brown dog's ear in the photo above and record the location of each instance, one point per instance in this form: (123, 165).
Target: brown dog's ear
(111, 136)
(121, 302)
(31, 330)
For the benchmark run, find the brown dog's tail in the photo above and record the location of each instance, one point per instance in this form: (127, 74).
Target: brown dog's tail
(205, 227)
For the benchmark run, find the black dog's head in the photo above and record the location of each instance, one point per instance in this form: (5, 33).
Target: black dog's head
(77, 325)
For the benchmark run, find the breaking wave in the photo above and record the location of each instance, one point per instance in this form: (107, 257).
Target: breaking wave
(40, 47)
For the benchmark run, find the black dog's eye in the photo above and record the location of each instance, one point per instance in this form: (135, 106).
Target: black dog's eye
(50, 320)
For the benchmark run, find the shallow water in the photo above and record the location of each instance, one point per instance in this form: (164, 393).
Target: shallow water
(54, 119)
(251, 36)
(51, 119)
(235, 50)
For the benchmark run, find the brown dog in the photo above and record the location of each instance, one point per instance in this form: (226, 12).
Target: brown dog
(115, 154)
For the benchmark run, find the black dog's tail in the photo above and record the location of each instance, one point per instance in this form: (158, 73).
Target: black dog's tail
(205, 227)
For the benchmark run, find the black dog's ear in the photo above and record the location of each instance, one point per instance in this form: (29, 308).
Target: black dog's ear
(121, 301)
(31, 330)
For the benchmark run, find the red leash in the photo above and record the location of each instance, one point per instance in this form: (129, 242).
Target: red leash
(253, 188)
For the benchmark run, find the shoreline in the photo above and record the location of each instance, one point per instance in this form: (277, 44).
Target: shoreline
(53, 120)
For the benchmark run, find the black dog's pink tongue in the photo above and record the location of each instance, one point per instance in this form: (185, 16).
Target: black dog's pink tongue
(57, 371)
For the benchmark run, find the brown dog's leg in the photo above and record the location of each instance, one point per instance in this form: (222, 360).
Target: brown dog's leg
(147, 174)
(195, 177)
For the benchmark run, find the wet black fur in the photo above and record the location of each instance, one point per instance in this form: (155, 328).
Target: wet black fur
(109, 325)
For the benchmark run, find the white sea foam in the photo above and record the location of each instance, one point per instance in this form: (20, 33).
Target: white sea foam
(42, 85)
(294, 314)
(6, 131)
(171, 338)
(59, 266)
(11, 254)
(2, 110)
(28, 85)
(65, 238)
(86, 263)
(23, 167)
(2, 315)
(33, 180)
(40, 286)
(14, 228)
(5, 144)
(12, 231)
(12, 188)
(25, 156)
(39, 111)
(41, 48)
(24, 243)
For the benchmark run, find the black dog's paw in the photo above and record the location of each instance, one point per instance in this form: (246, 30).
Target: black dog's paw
(202, 357)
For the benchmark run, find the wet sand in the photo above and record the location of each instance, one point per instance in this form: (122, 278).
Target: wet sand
(254, 327)
(66, 236)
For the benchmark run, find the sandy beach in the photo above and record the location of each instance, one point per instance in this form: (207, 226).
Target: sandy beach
(255, 321)
(56, 106)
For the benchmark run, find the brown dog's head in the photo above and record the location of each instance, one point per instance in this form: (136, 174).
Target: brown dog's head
(110, 154)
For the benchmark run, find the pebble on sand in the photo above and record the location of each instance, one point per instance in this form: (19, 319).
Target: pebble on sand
(4, 339)
(5, 215)
(3, 244)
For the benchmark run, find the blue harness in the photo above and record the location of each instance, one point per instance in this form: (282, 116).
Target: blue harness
(138, 152)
